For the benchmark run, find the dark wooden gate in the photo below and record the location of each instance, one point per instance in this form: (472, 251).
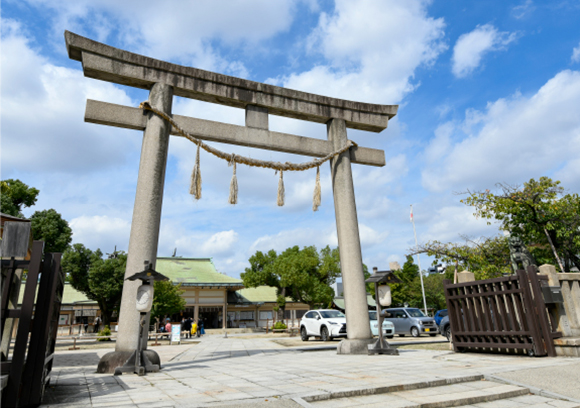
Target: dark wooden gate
(30, 363)
(506, 314)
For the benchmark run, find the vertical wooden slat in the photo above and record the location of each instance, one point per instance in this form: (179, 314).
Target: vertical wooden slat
(541, 310)
(12, 390)
(39, 340)
(530, 315)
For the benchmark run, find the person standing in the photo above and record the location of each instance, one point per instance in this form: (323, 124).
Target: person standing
(168, 326)
(201, 329)
(97, 324)
(186, 327)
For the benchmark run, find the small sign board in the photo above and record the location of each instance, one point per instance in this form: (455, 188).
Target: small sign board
(176, 333)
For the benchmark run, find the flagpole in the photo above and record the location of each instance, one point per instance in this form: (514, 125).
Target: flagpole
(419, 262)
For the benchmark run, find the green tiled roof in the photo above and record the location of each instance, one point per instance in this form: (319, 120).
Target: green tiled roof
(194, 272)
(69, 296)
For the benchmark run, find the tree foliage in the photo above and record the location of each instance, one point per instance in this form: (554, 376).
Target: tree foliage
(99, 279)
(486, 257)
(167, 299)
(538, 212)
(304, 275)
(50, 227)
(15, 196)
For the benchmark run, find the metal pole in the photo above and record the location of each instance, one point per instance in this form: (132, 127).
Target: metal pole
(419, 262)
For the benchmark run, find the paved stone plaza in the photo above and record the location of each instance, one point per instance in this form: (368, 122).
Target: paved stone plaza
(242, 371)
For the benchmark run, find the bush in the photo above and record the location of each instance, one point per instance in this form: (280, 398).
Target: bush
(279, 326)
(105, 332)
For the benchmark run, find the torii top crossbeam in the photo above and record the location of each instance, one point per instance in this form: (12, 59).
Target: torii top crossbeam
(107, 63)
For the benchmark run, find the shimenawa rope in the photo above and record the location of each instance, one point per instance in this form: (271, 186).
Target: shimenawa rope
(232, 159)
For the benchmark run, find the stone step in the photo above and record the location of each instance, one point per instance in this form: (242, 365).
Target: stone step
(458, 393)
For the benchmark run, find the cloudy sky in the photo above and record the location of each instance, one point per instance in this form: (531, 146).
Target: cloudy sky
(488, 92)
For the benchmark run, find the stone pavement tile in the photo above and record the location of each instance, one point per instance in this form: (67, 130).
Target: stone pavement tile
(503, 403)
(563, 404)
(336, 403)
(194, 398)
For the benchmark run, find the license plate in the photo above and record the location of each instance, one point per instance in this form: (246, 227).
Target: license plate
(427, 330)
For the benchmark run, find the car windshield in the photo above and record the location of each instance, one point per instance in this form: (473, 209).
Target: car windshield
(329, 314)
(415, 313)
(373, 315)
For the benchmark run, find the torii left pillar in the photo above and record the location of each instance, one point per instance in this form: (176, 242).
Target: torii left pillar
(144, 229)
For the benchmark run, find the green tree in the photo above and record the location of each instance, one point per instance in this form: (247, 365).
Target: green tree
(15, 196)
(434, 293)
(540, 214)
(99, 279)
(167, 299)
(402, 293)
(486, 257)
(50, 227)
(304, 275)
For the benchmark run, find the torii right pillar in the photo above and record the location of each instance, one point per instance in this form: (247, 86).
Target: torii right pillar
(359, 334)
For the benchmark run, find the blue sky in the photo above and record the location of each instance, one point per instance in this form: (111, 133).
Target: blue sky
(488, 92)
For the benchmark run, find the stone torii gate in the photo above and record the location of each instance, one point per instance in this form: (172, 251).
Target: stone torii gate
(164, 80)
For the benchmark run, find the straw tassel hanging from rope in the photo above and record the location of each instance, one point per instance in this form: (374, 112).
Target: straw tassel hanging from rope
(195, 187)
(233, 198)
(281, 190)
(317, 194)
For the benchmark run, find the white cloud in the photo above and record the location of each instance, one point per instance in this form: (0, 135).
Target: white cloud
(513, 140)
(221, 243)
(300, 236)
(184, 31)
(101, 231)
(524, 9)
(372, 50)
(576, 54)
(471, 47)
(43, 106)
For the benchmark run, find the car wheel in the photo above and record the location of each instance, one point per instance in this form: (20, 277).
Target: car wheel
(401, 335)
(303, 334)
(447, 333)
(324, 334)
(390, 337)
(433, 335)
(414, 332)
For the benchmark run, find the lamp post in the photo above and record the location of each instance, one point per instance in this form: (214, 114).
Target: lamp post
(381, 279)
(138, 363)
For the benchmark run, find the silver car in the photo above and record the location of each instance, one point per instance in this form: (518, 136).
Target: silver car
(410, 320)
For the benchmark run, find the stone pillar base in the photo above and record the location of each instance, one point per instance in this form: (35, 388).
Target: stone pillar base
(354, 346)
(567, 346)
(115, 359)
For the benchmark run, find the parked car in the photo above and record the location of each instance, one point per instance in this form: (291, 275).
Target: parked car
(410, 320)
(440, 314)
(388, 327)
(445, 327)
(325, 323)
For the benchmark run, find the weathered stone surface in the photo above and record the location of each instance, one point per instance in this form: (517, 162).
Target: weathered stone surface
(355, 297)
(256, 117)
(115, 359)
(132, 118)
(465, 276)
(144, 236)
(354, 346)
(107, 63)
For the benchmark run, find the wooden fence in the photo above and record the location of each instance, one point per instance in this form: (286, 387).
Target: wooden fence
(29, 365)
(506, 314)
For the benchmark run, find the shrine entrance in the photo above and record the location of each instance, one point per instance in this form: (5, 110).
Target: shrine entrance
(164, 80)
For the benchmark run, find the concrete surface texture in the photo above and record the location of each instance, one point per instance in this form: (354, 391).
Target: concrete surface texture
(241, 372)
(355, 296)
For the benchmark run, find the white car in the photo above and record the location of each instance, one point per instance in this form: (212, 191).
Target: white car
(388, 327)
(326, 324)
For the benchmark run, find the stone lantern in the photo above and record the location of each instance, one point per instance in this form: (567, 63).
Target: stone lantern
(382, 279)
(138, 363)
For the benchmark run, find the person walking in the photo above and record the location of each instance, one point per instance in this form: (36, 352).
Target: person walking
(194, 329)
(201, 329)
